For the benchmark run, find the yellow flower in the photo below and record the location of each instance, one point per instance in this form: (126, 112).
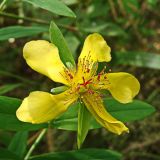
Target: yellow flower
(83, 83)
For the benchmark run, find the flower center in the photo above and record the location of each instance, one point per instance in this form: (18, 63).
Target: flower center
(84, 86)
(85, 83)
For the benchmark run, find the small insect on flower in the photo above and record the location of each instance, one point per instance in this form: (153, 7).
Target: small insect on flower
(83, 82)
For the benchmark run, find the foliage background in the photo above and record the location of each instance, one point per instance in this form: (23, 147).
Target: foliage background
(132, 30)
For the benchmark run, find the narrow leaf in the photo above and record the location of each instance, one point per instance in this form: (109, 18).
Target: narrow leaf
(6, 137)
(54, 6)
(7, 155)
(8, 87)
(18, 144)
(9, 74)
(84, 120)
(84, 154)
(20, 31)
(58, 39)
(138, 59)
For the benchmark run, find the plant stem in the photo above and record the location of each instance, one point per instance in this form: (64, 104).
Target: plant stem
(10, 15)
(34, 20)
(2, 4)
(20, 11)
(5, 73)
(35, 144)
(113, 10)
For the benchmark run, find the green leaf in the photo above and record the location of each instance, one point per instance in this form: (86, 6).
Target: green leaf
(8, 87)
(152, 3)
(6, 137)
(20, 31)
(54, 6)
(7, 155)
(8, 119)
(84, 120)
(58, 39)
(136, 110)
(124, 112)
(139, 59)
(70, 2)
(84, 154)
(18, 144)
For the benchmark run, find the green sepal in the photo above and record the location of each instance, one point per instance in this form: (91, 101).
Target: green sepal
(84, 120)
(58, 90)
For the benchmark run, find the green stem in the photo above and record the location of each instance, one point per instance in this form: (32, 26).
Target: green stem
(2, 4)
(20, 11)
(34, 20)
(35, 144)
(10, 15)
(5, 73)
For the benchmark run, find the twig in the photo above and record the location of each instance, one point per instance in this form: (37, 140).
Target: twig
(113, 10)
(121, 7)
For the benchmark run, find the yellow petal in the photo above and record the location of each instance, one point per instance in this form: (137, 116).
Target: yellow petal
(97, 47)
(41, 107)
(43, 57)
(123, 86)
(94, 104)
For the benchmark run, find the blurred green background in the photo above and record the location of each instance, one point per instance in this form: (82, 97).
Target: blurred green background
(132, 30)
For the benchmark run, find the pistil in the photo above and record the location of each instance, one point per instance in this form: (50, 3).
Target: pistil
(85, 83)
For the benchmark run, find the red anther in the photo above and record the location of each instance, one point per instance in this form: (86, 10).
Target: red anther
(105, 77)
(88, 70)
(101, 73)
(83, 79)
(99, 76)
(70, 75)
